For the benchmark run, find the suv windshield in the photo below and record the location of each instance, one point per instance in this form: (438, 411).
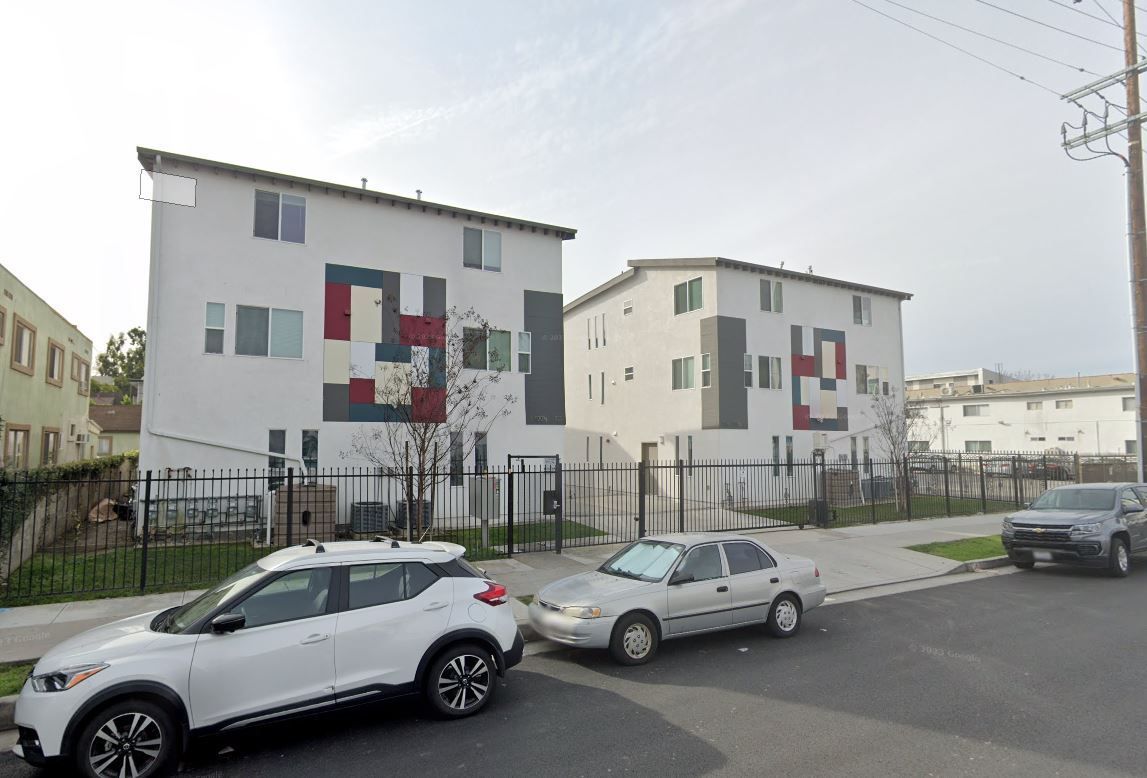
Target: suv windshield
(1075, 500)
(228, 589)
(645, 560)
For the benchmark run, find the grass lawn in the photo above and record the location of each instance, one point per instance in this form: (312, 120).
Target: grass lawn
(526, 599)
(48, 577)
(533, 532)
(923, 507)
(12, 678)
(963, 550)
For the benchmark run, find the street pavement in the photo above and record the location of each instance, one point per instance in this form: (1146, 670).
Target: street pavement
(1011, 673)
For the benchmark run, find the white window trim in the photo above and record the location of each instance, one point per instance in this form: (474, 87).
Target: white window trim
(270, 319)
(484, 267)
(692, 375)
(529, 353)
(280, 231)
(686, 283)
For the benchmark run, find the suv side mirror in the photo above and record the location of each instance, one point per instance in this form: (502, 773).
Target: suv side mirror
(680, 577)
(228, 622)
(1027, 505)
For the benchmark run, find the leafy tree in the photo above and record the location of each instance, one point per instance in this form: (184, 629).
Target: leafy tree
(122, 360)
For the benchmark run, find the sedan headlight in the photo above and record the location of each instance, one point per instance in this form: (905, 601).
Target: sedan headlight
(64, 679)
(1085, 529)
(581, 612)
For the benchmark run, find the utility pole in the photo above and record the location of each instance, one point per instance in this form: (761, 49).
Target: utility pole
(1136, 219)
(1138, 224)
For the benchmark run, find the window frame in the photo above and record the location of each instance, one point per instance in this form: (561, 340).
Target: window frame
(528, 353)
(627, 373)
(862, 310)
(208, 328)
(626, 308)
(83, 375)
(9, 429)
(44, 433)
(270, 332)
(334, 584)
(759, 553)
(981, 410)
(747, 365)
(58, 382)
(1126, 400)
(1065, 405)
(3, 324)
(1034, 405)
(482, 233)
(99, 444)
(770, 373)
(707, 372)
(691, 382)
(688, 299)
(403, 577)
(279, 216)
(18, 323)
(976, 447)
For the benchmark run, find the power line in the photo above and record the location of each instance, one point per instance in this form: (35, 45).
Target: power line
(1106, 13)
(992, 38)
(1108, 20)
(1050, 26)
(986, 61)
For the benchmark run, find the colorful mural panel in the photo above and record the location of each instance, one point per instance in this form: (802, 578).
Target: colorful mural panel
(819, 376)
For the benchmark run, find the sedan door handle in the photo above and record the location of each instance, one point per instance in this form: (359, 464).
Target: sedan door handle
(722, 588)
(435, 606)
(311, 639)
(774, 580)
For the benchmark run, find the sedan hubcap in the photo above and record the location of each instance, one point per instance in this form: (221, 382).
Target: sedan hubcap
(786, 616)
(126, 745)
(637, 641)
(464, 682)
(1121, 557)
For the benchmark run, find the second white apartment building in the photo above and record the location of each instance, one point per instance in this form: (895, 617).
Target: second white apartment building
(713, 358)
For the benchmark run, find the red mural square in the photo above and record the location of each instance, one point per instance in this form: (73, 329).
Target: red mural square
(429, 405)
(362, 390)
(422, 331)
(804, 366)
(841, 365)
(800, 417)
(336, 320)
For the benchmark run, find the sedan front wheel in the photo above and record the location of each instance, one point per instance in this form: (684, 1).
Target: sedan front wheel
(634, 640)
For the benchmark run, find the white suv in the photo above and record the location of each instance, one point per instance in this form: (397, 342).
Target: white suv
(305, 629)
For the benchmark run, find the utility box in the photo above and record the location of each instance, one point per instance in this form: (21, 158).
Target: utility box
(486, 497)
(314, 509)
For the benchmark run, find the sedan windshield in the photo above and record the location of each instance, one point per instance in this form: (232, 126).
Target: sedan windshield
(645, 560)
(226, 590)
(1075, 500)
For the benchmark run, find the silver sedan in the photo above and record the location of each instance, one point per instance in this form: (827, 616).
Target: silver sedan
(669, 586)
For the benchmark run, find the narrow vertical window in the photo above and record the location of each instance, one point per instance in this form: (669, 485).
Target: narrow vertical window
(596, 341)
(600, 450)
(778, 297)
(766, 295)
(603, 330)
(589, 380)
(266, 215)
(748, 371)
(293, 221)
(626, 307)
(310, 449)
(706, 371)
(776, 456)
(456, 457)
(525, 352)
(775, 371)
(852, 448)
(588, 337)
(213, 328)
(276, 445)
(481, 453)
(603, 388)
(788, 454)
(629, 373)
(690, 443)
(867, 456)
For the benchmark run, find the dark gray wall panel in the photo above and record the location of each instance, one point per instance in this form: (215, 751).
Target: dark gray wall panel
(710, 396)
(391, 305)
(724, 405)
(545, 400)
(433, 296)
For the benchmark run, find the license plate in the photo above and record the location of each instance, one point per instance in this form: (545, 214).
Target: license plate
(1042, 556)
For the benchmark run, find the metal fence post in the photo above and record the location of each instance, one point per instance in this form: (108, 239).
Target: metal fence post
(559, 513)
(1044, 464)
(947, 490)
(641, 476)
(907, 489)
(290, 504)
(983, 488)
(680, 495)
(146, 531)
(410, 503)
(872, 492)
(1016, 480)
(509, 509)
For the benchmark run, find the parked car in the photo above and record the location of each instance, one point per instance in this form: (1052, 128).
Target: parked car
(929, 463)
(1051, 469)
(669, 586)
(1099, 525)
(308, 628)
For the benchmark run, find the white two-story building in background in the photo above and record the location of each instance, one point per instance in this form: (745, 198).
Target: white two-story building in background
(266, 336)
(683, 359)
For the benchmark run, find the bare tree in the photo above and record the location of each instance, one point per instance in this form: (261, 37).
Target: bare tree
(897, 424)
(437, 407)
(1024, 374)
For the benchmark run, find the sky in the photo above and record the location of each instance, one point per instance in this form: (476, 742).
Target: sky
(813, 132)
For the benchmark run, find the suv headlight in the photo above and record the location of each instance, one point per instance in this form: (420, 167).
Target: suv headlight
(1085, 529)
(1007, 525)
(64, 679)
(581, 612)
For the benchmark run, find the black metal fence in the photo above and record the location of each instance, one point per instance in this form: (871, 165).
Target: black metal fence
(179, 529)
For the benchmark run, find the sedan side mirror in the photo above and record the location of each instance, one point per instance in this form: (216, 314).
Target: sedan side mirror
(228, 622)
(680, 577)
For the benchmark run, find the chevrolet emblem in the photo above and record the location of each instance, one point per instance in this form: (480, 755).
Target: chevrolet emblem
(1037, 529)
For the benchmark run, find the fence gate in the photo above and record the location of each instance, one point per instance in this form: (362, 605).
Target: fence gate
(533, 503)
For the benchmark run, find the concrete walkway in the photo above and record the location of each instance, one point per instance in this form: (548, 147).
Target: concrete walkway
(849, 559)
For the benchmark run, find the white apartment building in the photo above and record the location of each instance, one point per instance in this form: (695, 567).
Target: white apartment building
(266, 329)
(1081, 414)
(714, 358)
(980, 376)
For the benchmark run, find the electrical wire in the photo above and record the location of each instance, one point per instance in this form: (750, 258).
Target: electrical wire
(993, 38)
(1114, 21)
(959, 49)
(1050, 26)
(1071, 7)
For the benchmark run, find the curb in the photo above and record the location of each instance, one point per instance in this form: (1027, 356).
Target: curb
(983, 564)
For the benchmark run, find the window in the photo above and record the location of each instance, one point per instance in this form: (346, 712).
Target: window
(81, 372)
(748, 371)
(626, 307)
(776, 456)
(589, 383)
(596, 337)
(871, 379)
(603, 388)
(301, 594)
(629, 374)
(772, 298)
(702, 563)
(769, 373)
(387, 582)
(1035, 406)
(976, 410)
(486, 351)
(1038, 438)
(16, 446)
(867, 455)
(277, 444)
(683, 373)
(3, 323)
(690, 456)
(862, 310)
(481, 249)
(977, 446)
(687, 296)
(273, 332)
(105, 446)
(1131, 446)
(50, 446)
(310, 449)
(213, 328)
(23, 346)
(1066, 438)
(1128, 404)
(919, 445)
(788, 454)
(456, 457)
(1061, 405)
(600, 449)
(603, 330)
(55, 372)
(481, 453)
(280, 217)
(525, 352)
(746, 558)
(1130, 500)
(588, 337)
(706, 371)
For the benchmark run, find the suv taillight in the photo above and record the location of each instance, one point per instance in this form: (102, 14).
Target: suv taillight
(495, 594)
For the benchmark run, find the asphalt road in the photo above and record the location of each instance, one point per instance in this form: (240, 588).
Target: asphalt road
(1036, 673)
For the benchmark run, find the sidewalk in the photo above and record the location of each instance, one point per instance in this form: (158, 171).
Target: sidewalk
(848, 558)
